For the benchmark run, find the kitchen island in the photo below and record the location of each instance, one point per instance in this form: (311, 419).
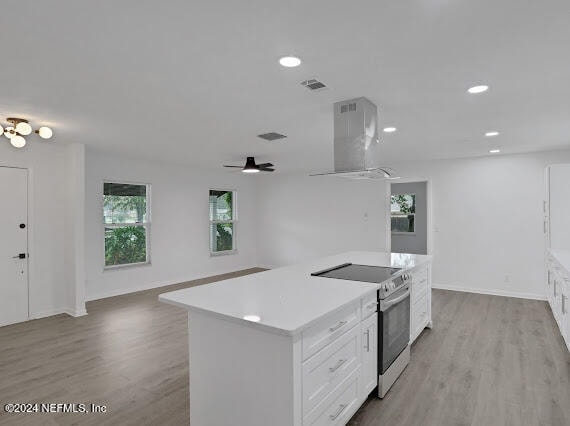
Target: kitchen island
(282, 347)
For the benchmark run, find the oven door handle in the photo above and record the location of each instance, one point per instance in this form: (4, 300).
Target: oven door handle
(387, 304)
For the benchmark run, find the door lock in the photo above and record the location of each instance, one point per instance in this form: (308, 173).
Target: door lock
(20, 256)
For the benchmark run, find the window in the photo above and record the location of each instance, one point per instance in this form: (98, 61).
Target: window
(222, 222)
(403, 212)
(127, 223)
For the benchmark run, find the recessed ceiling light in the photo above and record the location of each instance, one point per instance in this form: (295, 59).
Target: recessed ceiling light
(389, 129)
(290, 61)
(478, 89)
(495, 151)
(253, 318)
(491, 134)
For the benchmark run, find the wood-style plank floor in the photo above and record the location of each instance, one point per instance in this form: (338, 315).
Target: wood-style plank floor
(488, 361)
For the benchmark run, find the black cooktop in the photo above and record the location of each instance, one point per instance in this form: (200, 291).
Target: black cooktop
(350, 271)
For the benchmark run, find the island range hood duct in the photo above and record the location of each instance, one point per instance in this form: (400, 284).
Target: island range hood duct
(356, 142)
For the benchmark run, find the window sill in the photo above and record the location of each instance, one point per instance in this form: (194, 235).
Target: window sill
(222, 253)
(126, 266)
(411, 234)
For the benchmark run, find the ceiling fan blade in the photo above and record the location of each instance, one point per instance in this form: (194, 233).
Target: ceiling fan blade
(266, 169)
(237, 167)
(265, 165)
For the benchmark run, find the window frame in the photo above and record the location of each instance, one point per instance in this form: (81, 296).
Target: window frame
(146, 224)
(234, 222)
(409, 214)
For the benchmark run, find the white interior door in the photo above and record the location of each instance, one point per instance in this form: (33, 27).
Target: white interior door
(13, 245)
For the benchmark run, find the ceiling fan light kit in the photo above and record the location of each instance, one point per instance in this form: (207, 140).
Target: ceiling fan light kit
(251, 167)
(21, 127)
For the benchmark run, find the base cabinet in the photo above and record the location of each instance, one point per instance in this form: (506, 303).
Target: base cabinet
(558, 292)
(369, 354)
(420, 302)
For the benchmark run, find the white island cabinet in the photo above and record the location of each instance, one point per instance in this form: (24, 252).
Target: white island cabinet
(282, 347)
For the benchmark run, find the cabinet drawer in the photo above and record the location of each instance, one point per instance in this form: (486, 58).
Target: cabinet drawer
(369, 305)
(419, 312)
(420, 285)
(329, 329)
(339, 406)
(328, 368)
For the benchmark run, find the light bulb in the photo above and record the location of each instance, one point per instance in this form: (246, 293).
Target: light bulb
(23, 128)
(1, 130)
(250, 170)
(9, 132)
(18, 141)
(290, 61)
(45, 132)
(478, 89)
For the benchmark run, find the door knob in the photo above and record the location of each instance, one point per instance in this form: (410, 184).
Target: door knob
(20, 256)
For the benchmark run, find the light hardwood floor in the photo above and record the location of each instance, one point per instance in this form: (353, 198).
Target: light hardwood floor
(488, 361)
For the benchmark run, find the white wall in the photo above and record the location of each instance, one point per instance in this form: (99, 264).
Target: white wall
(487, 218)
(302, 217)
(179, 236)
(48, 234)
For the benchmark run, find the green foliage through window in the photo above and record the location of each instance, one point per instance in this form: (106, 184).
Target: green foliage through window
(403, 212)
(125, 245)
(222, 236)
(125, 211)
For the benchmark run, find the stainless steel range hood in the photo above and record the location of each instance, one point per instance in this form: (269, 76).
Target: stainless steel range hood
(356, 142)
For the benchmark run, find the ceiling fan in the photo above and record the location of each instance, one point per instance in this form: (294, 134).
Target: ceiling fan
(251, 167)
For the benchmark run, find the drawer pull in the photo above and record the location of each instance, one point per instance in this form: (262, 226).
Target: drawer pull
(338, 412)
(367, 340)
(336, 327)
(337, 366)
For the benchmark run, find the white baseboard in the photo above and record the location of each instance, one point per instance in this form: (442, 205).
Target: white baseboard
(149, 286)
(519, 295)
(76, 312)
(47, 313)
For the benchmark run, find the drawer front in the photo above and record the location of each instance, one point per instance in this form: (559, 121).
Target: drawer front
(419, 314)
(340, 405)
(369, 305)
(328, 330)
(328, 368)
(420, 285)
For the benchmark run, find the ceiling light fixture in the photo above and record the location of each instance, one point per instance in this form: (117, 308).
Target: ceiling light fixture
(478, 89)
(495, 151)
(290, 61)
(491, 134)
(389, 129)
(250, 166)
(19, 128)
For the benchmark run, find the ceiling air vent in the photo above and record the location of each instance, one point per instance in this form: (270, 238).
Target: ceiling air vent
(313, 85)
(271, 136)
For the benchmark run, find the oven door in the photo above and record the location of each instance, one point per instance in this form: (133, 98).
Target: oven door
(393, 327)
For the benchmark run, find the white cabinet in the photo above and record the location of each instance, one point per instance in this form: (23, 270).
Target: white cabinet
(420, 302)
(369, 354)
(558, 289)
(557, 203)
(339, 363)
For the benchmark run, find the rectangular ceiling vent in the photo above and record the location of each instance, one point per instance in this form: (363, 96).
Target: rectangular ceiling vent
(271, 136)
(313, 85)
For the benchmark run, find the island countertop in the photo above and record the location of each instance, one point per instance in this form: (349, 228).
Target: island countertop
(288, 300)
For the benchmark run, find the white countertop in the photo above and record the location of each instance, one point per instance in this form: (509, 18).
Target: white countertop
(288, 299)
(562, 257)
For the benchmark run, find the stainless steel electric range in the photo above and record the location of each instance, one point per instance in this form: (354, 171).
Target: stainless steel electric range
(393, 315)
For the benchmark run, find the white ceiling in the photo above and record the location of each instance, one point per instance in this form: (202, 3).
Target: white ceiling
(194, 82)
